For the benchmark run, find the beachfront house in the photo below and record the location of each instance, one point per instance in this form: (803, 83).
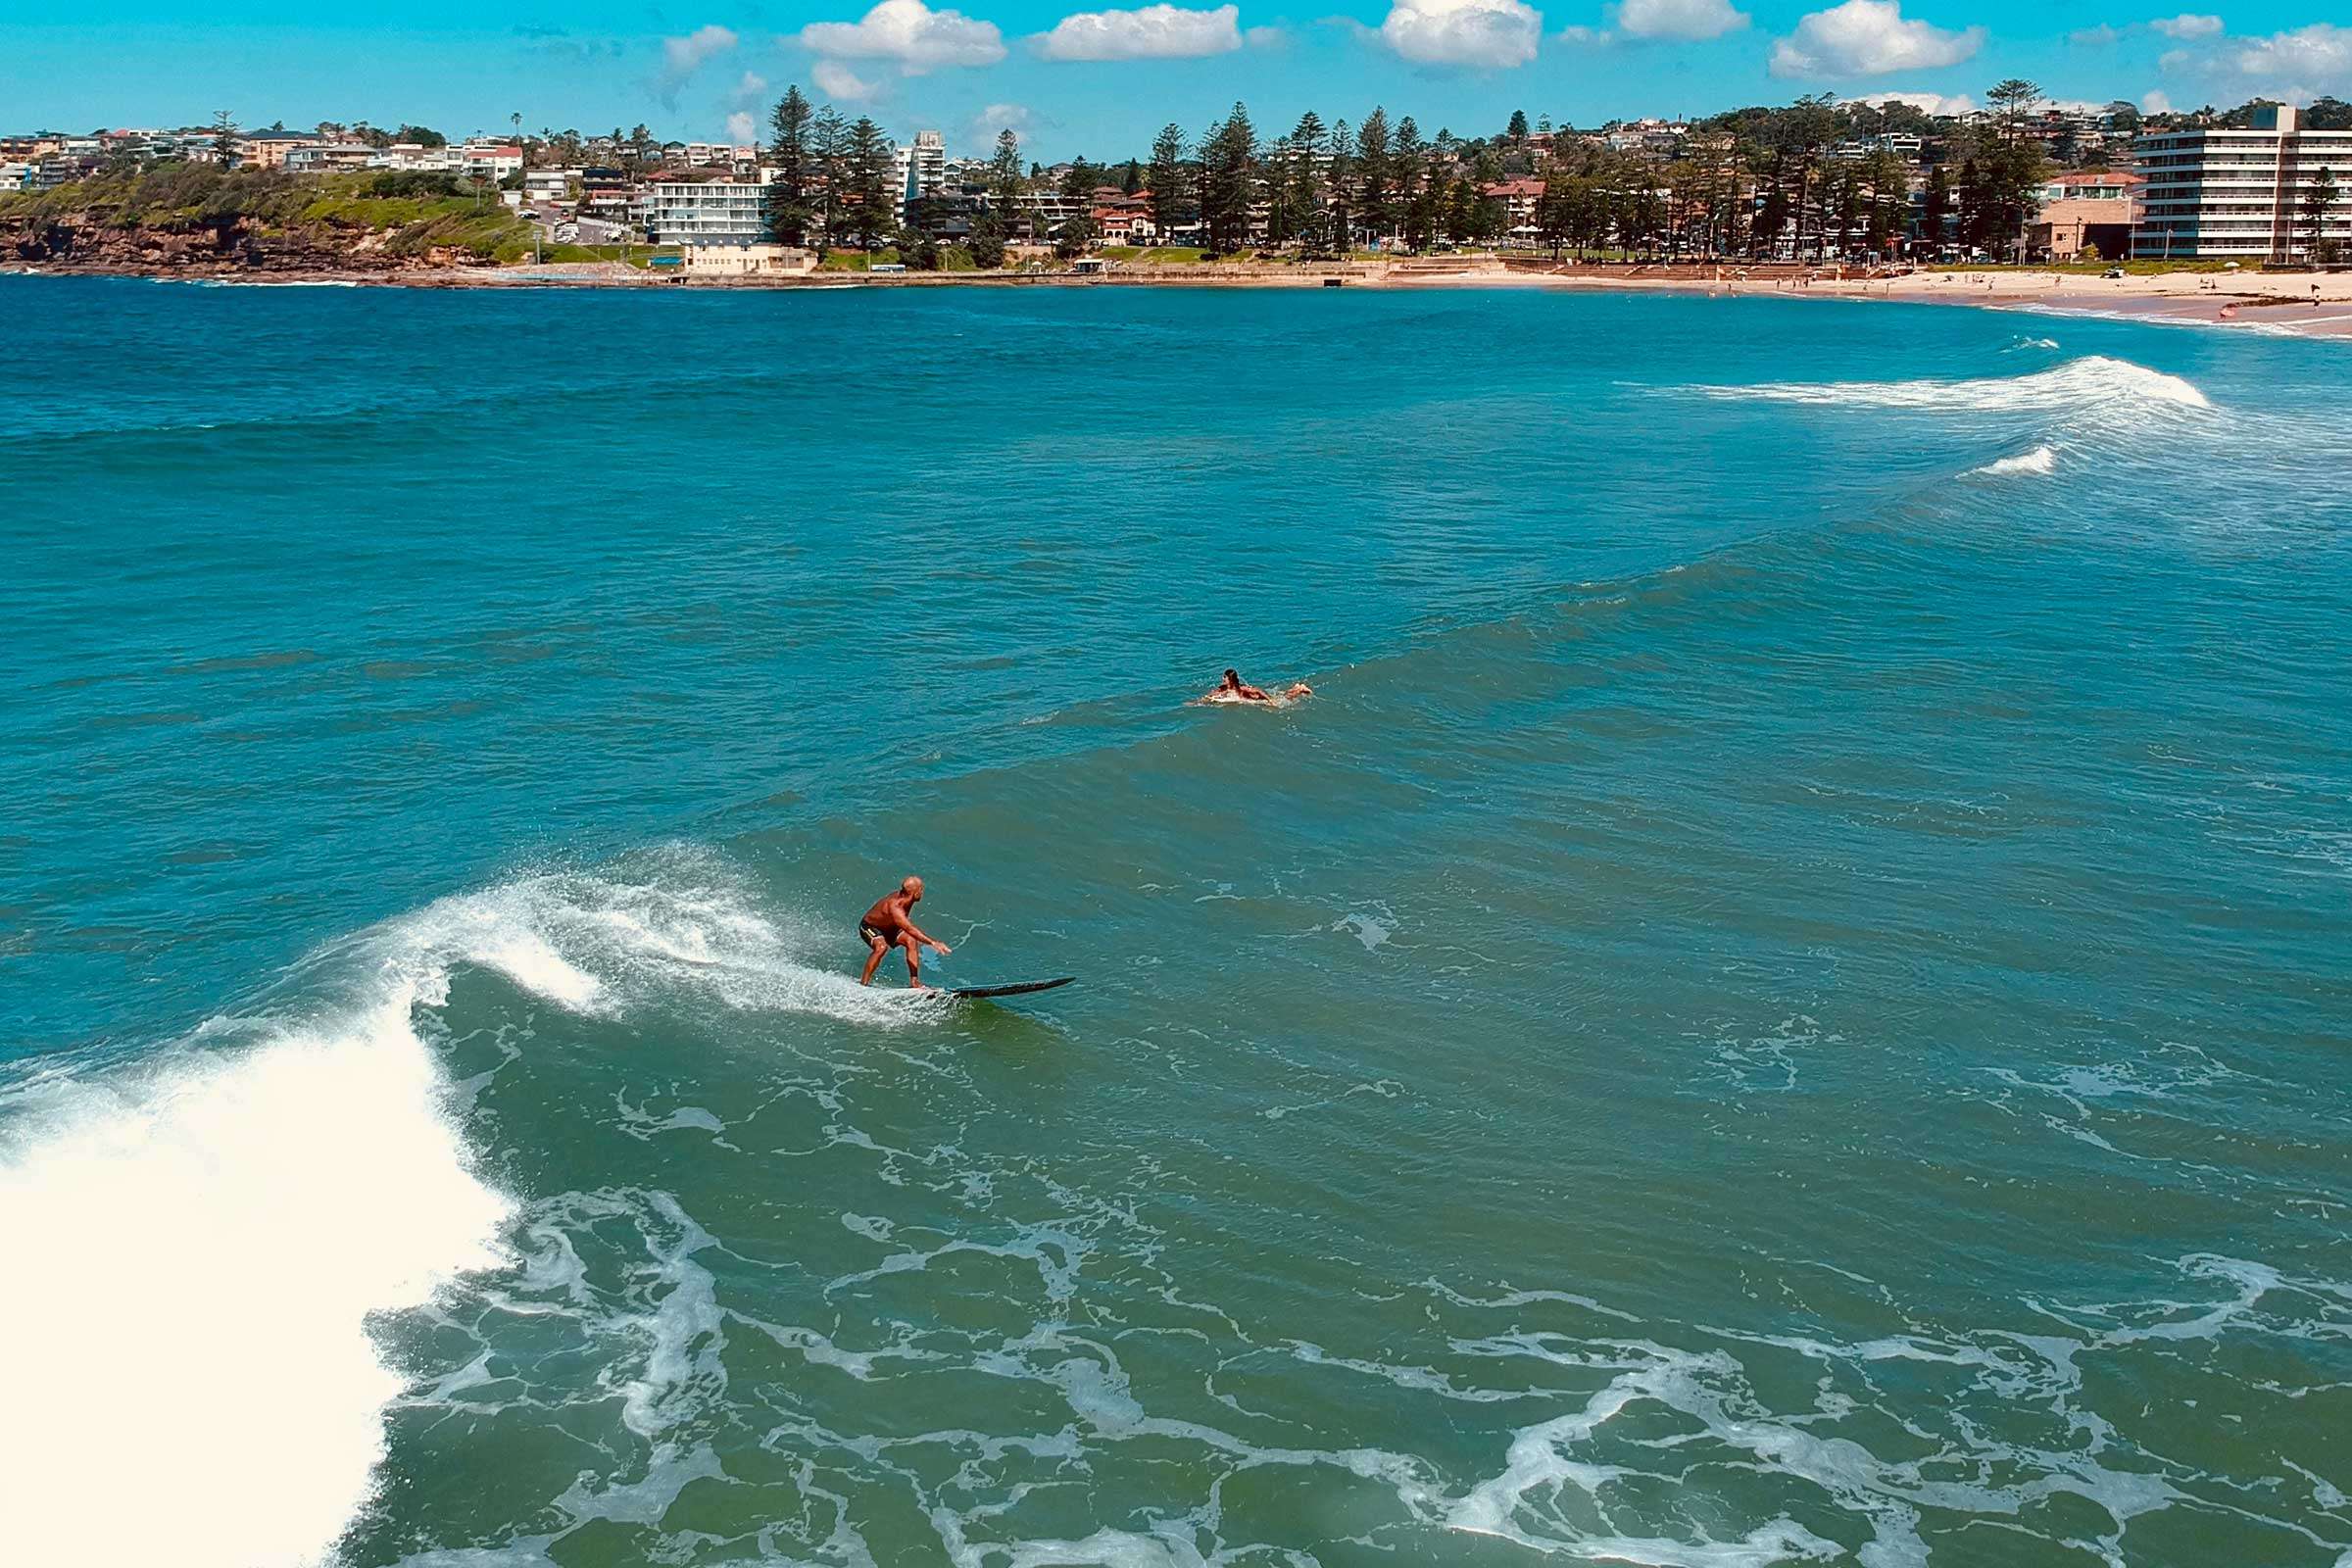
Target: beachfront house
(2084, 211)
(746, 260)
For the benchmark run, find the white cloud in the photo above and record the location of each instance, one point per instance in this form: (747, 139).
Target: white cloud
(2155, 103)
(742, 127)
(1584, 37)
(911, 34)
(1491, 34)
(837, 80)
(2300, 65)
(1153, 32)
(2099, 37)
(2188, 25)
(1869, 38)
(1927, 103)
(984, 126)
(1690, 19)
(1266, 38)
(681, 58)
(752, 87)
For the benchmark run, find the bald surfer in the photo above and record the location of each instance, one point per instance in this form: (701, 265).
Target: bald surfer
(889, 924)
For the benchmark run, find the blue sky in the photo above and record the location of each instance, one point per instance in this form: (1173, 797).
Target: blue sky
(1099, 82)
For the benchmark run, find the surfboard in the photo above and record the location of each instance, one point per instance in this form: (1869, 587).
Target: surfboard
(1022, 989)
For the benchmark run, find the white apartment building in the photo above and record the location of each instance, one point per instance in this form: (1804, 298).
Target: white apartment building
(413, 157)
(549, 184)
(2239, 193)
(491, 160)
(922, 168)
(1903, 144)
(712, 212)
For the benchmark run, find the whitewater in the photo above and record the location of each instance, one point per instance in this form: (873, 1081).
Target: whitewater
(1783, 1001)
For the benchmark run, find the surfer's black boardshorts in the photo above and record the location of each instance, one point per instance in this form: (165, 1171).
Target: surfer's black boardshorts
(870, 936)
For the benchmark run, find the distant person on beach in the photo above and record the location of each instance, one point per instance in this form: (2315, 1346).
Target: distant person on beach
(1234, 689)
(889, 924)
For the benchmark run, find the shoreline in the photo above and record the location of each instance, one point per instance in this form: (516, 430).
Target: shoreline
(2316, 305)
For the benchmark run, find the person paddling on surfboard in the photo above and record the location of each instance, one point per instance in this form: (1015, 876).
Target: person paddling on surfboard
(1234, 689)
(888, 924)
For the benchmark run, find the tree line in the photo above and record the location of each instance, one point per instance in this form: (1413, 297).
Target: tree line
(1814, 178)
(1760, 181)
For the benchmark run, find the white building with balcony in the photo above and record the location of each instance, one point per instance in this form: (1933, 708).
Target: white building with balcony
(329, 157)
(922, 169)
(709, 212)
(2239, 194)
(413, 157)
(485, 160)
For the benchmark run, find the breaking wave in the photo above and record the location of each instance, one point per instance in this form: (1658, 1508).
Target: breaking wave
(214, 1233)
(2042, 460)
(2081, 385)
(214, 1228)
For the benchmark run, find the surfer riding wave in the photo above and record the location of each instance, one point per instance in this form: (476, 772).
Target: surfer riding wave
(889, 924)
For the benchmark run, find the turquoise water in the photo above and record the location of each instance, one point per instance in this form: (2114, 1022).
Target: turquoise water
(1786, 999)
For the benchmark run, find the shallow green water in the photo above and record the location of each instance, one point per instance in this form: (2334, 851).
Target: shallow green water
(1785, 1000)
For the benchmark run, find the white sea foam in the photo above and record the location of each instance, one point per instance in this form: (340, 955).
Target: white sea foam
(2042, 460)
(2091, 384)
(196, 1245)
(600, 943)
(195, 1255)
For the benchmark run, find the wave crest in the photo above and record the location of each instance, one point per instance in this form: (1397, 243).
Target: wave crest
(2077, 386)
(2042, 460)
(212, 1236)
(214, 1227)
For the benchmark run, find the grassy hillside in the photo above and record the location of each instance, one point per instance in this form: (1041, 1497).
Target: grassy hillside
(413, 212)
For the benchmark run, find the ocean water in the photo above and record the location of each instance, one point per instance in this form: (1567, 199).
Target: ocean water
(1789, 998)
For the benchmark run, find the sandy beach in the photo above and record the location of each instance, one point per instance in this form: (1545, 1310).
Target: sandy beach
(2311, 304)
(2304, 303)
(2301, 303)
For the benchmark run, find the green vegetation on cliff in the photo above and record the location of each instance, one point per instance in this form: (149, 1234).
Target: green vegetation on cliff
(414, 214)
